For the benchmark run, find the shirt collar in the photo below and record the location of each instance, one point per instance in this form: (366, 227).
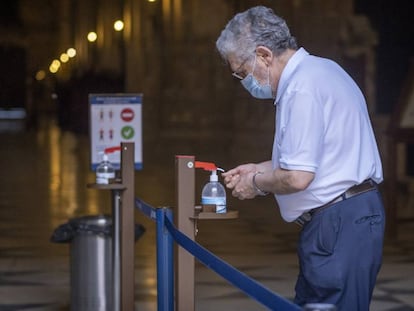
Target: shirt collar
(287, 72)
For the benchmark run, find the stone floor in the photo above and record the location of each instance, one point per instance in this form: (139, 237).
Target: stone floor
(43, 184)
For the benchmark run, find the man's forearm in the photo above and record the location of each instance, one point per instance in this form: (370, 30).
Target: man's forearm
(280, 181)
(265, 166)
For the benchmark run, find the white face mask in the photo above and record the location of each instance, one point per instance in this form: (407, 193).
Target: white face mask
(256, 89)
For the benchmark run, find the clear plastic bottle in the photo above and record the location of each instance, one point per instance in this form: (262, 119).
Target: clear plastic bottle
(105, 172)
(214, 194)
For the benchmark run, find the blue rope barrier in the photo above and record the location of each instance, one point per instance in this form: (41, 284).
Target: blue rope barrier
(249, 286)
(146, 209)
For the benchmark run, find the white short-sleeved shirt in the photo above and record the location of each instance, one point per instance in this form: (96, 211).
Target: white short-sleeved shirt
(322, 126)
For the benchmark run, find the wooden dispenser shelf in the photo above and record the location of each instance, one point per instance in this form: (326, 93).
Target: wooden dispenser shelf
(206, 212)
(113, 186)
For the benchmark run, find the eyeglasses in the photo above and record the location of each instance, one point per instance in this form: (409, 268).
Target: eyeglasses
(237, 74)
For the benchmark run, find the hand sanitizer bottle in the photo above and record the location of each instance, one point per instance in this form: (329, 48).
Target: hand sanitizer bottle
(214, 194)
(105, 172)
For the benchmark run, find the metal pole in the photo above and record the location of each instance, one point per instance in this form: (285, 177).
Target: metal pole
(165, 258)
(116, 253)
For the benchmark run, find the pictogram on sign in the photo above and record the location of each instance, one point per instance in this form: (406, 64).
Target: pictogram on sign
(127, 114)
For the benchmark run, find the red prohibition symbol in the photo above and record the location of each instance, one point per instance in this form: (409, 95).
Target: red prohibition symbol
(127, 114)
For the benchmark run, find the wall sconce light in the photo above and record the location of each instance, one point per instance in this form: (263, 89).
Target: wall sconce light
(64, 57)
(54, 66)
(119, 25)
(40, 75)
(71, 52)
(92, 36)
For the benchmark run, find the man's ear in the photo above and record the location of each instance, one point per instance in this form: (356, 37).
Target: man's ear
(265, 54)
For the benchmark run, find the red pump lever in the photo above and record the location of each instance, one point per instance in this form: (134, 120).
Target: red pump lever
(207, 166)
(112, 149)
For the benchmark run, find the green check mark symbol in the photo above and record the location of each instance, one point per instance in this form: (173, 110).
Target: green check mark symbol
(127, 132)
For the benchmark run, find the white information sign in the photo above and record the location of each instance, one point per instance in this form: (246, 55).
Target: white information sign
(115, 118)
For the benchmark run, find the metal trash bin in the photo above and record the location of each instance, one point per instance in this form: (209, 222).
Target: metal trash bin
(91, 276)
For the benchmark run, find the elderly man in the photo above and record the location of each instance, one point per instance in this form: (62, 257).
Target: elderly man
(325, 163)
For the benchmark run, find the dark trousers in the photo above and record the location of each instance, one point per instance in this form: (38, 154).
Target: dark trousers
(340, 253)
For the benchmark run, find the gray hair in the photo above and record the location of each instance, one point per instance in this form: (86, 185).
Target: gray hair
(257, 26)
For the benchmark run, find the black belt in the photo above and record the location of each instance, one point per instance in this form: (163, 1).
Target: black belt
(365, 186)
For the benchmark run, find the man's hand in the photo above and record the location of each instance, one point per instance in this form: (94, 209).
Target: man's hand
(232, 177)
(240, 180)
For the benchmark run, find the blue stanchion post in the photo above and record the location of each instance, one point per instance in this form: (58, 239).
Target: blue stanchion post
(165, 262)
